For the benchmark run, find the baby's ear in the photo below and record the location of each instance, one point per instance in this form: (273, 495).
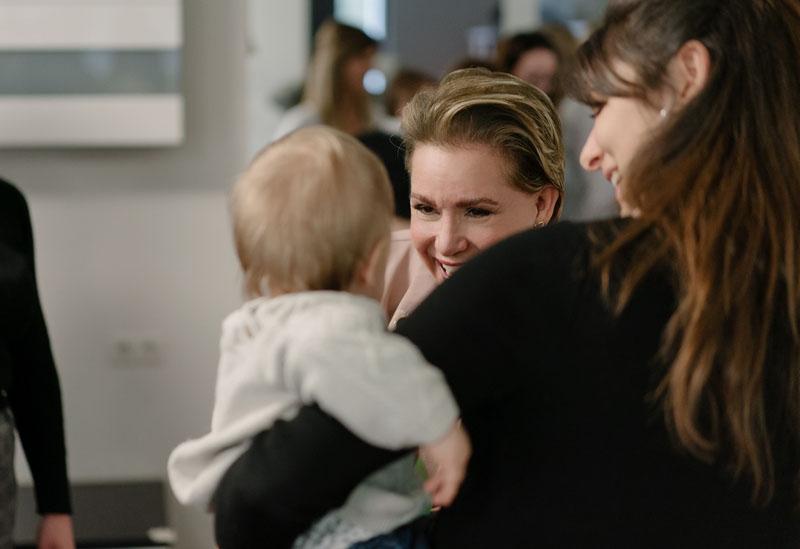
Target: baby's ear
(371, 270)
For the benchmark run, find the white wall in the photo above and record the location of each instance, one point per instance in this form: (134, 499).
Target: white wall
(432, 36)
(138, 241)
(277, 47)
(519, 16)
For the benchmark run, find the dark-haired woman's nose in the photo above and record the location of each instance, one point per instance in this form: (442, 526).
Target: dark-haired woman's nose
(592, 154)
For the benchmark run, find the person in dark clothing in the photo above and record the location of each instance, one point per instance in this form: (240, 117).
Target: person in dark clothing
(628, 383)
(533, 57)
(390, 149)
(29, 387)
(387, 143)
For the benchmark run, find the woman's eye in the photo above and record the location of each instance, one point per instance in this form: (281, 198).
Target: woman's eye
(423, 209)
(596, 110)
(478, 212)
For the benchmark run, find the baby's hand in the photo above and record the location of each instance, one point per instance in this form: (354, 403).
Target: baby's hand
(446, 462)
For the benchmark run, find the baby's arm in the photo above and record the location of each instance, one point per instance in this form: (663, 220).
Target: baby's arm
(446, 462)
(377, 384)
(381, 388)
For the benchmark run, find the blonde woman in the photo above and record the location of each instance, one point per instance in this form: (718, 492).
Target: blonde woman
(334, 93)
(485, 157)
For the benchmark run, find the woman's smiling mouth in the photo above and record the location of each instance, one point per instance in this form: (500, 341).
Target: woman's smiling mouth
(447, 269)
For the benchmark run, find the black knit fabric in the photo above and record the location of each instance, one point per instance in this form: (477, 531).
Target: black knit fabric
(28, 375)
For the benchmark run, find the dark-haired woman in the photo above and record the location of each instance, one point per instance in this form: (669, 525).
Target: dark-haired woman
(630, 383)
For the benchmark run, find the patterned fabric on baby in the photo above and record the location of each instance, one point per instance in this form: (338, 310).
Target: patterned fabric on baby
(405, 537)
(331, 532)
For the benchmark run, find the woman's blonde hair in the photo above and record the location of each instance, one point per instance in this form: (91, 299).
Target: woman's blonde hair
(479, 107)
(308, 210)
(719, 196)
(326, 87)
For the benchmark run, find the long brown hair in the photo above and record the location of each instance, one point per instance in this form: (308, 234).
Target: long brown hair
(718, 188)
(334, 45)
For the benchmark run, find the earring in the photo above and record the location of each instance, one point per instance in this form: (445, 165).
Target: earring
(540, 224)
(663, 112)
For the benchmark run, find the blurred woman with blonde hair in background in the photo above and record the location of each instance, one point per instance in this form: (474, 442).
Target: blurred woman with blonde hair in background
(334, 93)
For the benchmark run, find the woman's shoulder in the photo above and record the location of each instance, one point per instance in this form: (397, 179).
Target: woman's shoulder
(553, 261)
(554, 245)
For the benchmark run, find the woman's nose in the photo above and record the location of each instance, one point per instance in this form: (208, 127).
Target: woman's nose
(591, 155)
(450, 240)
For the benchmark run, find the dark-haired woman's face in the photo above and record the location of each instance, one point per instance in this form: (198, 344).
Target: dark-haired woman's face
(621, 126)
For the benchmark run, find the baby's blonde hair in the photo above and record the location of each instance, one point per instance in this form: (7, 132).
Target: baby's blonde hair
(308, 210)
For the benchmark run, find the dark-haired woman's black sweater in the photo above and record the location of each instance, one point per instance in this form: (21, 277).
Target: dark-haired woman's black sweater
(28, 375)
(569, 451)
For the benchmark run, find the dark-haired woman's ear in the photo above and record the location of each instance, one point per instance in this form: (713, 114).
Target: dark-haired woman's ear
(689, 70)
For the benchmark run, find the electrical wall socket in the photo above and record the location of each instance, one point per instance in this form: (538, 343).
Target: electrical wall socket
(133, 350)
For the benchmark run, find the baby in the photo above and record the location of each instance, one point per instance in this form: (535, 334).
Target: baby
(311, 219)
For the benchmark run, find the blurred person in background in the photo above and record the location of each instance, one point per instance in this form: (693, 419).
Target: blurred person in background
(334, 93)
(404, 85)
(387, 143)
(533, 57)
(543, 58)
(30, 396)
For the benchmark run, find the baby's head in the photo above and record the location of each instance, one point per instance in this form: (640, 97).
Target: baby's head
(313, 212)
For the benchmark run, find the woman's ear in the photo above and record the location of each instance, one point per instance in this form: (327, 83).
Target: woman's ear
(546, 204)
(689, 70)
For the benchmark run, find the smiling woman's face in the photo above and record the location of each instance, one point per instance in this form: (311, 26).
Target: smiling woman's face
(461, 203)
(621, 126)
